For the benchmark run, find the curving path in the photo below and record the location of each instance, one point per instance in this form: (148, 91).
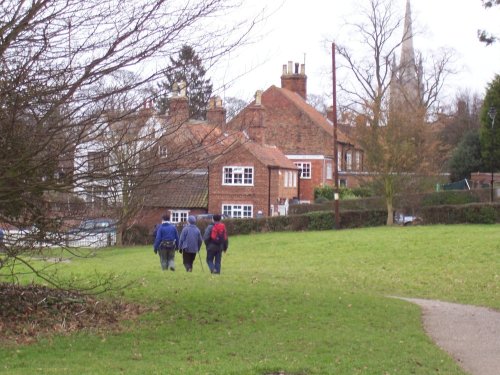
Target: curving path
(470, 334)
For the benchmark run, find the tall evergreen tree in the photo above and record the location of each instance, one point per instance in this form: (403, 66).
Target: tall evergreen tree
(466, 157)
(187, 67)
(490, 125)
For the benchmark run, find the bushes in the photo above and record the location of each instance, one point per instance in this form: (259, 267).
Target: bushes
(449, 197)
(137, 235)
(475, 213)
(327, 193)
(318, 220)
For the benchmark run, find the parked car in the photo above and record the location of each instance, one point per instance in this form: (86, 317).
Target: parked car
(401, 219)
(93, 233)
(208, 217)
(95, 226)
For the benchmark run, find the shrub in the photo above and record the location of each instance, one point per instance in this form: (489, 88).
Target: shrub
(475, 213)
(137, 235)
(362, 192)
(321, 220)
(326, 192)
(480, 215)
(449, 197)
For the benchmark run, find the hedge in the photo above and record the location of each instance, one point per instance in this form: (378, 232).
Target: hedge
(474, 213)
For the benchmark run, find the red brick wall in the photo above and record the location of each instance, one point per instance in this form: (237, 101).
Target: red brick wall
(290, 129)
(260, 195)
(256, 195)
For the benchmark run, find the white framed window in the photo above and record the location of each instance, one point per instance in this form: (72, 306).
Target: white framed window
(290, 179)
(305, 169)
(237, 176)
(179, 216)
(348, 161)
(339, 159)
(239, 211)
(162, 151)
(329, 170)
(358, 160)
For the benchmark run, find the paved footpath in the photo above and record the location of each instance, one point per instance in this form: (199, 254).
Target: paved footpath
(470, 334)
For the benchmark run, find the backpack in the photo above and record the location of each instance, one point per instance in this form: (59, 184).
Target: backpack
(218, 234)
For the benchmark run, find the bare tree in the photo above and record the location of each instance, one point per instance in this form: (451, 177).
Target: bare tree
(392, 101)
(483, 35)
(58, 90)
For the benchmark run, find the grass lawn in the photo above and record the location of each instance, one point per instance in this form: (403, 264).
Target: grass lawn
(297, 303)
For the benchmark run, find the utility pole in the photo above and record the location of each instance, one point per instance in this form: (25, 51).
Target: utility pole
(335, 149)
(492, 113)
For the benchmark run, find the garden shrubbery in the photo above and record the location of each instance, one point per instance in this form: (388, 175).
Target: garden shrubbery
(137, 235)
(309, 219)
(449, 197)
(474, 213)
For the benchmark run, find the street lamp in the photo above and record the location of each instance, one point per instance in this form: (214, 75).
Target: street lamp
(492, 113)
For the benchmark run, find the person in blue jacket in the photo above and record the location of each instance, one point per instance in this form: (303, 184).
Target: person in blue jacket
(166, 242)
(190, 243)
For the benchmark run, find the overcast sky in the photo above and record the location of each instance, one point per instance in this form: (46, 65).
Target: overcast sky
(299, 30)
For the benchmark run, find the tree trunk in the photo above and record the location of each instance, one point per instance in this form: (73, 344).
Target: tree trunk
(389, 199)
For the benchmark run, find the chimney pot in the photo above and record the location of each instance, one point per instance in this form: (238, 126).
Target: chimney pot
(303, 69)
(290, 67)
(296, 68)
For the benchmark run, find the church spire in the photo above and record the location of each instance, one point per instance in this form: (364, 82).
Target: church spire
(405, 87)
(407, 62)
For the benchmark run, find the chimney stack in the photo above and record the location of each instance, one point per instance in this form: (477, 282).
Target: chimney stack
(254, 120)
(329, 113)
(216, 113)
(295, 79)
(178, 104)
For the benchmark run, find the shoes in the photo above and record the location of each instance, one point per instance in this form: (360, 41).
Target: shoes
(172, 269)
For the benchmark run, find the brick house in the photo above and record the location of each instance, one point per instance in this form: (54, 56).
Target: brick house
(187, 146)
(281, 116)
(251, 180)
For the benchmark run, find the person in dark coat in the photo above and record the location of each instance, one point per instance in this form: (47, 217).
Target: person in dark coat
(214, 250)
(166, 242)
(190, 243)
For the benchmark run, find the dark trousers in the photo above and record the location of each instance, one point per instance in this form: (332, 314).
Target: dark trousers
(188, 260)
(167, 259)
(214, 260)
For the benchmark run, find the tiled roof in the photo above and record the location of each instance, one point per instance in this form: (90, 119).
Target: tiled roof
(270, 156)
(315, 116)
(188, 191)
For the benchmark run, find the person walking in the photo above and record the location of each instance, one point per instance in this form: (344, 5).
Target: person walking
(190, 243)
(166, 242)
(216, 242)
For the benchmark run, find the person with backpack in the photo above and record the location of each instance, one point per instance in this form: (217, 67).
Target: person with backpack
(216, 242)
(166, 242)
(190, 243)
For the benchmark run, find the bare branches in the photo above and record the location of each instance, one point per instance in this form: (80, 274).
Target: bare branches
(73, 75)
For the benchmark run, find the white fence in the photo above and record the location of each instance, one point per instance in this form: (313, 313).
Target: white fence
(27, 238)
(94, 240)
